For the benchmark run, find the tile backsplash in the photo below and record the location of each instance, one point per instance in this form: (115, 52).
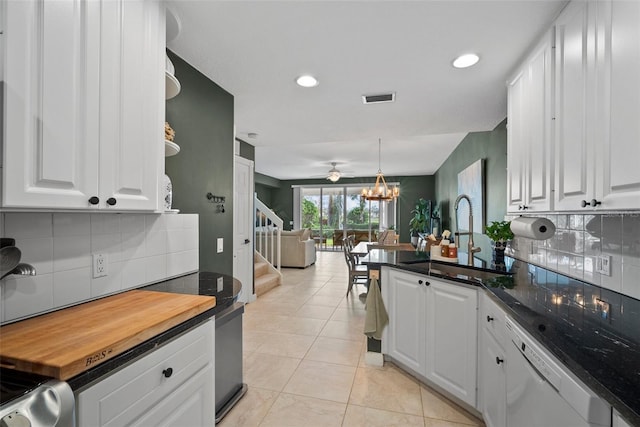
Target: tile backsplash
(141, 249)
(579, 241)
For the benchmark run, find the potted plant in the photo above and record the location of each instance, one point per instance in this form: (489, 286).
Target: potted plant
(421, 219)
(500, 233)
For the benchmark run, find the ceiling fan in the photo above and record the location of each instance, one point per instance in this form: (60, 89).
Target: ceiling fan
(334, 174)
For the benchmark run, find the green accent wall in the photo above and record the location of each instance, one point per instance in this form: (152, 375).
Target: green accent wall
(411, 189)
(202, 117)
(492, 147)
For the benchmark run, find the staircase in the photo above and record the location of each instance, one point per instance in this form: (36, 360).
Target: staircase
(266, 277)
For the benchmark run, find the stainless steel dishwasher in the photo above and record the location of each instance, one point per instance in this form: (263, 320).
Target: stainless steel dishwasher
(229, 385)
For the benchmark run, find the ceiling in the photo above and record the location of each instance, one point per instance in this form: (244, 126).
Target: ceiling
(256, 49)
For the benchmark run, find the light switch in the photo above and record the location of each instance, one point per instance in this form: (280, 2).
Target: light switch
(220, 245)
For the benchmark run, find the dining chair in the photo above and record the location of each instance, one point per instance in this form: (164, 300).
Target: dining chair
(350, 243)
(358, 273)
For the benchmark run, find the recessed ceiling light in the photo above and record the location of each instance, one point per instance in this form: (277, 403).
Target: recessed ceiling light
(467, 60)
(307, 81)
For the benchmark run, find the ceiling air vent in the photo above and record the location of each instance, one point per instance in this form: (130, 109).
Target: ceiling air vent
(379, 98)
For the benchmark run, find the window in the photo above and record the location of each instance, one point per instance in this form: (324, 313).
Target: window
(332, 212)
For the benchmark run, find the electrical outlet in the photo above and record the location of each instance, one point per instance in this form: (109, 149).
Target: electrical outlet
(100, 265)
(220, 245)
(603, 265)
(220, 284)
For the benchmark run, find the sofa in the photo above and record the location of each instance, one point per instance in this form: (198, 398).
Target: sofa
(298, 248)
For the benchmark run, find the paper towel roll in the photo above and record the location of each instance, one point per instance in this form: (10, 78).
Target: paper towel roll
(533, 228)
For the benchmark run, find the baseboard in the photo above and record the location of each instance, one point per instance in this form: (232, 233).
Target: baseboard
(372, 358)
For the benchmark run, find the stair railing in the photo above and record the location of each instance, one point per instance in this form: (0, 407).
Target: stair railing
(267, 233)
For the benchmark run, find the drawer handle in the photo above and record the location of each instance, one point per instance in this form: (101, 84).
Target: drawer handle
(499, 361)
(167, 372)
(489, 318)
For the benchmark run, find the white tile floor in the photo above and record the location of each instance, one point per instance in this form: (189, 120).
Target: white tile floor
(304, 362)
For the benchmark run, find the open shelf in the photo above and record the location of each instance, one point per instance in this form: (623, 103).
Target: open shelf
(170, 148)
(172, 85)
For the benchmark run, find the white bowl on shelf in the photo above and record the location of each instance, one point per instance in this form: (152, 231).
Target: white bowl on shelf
(170, 148)
(171, 85)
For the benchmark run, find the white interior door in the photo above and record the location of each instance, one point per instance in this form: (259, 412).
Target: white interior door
(243, 227)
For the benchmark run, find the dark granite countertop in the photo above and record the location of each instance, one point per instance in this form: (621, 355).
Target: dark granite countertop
(595, 332)
(202, 283)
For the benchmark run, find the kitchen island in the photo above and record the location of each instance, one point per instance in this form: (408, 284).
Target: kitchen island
(594, 332)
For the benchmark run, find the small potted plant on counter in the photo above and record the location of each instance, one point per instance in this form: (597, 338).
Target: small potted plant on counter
(500, 234)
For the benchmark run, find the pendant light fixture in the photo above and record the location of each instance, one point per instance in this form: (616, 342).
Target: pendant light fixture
(380, 190)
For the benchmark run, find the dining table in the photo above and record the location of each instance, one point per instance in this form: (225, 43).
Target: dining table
(363, 248)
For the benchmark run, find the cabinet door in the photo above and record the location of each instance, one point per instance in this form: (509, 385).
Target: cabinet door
(538, 164)
(618, 104)
(132, 103)
(189, 405)
(516, 143)
(404, 298)
(493, 386)
(452, 319)
(575, 47)
(51, 116)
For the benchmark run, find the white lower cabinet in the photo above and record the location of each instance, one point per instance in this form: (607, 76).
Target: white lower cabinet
(432, 330)
(492, 380)
(452, 338)
(171, 386)
(404, 296)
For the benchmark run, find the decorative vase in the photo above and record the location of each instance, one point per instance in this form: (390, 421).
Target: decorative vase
(168, 192)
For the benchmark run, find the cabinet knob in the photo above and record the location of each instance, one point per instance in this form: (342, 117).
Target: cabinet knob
(167, 372)
(489, 318)
(111, 201)
(523, 207)
(94, 200)
(420, 282)
(427, 283)
(499, 361)
(584, 203)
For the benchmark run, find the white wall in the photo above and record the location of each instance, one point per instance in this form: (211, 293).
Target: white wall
(141, 249)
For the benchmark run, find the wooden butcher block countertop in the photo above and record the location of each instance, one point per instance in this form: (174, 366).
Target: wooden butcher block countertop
(67, 342)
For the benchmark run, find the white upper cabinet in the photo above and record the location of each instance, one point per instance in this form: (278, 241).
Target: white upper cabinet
(597, 106)
(575, 161)
(618, 105)
(84, 110)
(529, 132)
(51, 118)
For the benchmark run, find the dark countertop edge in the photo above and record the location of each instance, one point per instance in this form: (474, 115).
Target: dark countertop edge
(627, 412)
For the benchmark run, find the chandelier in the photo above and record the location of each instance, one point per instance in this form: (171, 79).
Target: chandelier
(380, 190)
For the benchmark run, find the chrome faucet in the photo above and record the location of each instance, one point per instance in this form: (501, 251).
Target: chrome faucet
(471, 249)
